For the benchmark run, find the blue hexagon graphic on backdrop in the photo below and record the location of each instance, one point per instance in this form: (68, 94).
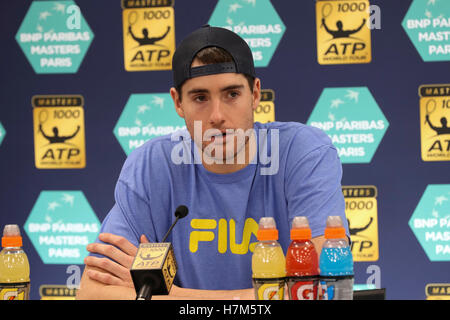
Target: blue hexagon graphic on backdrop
(256, 21)
(427, 24)
(353, 120)
(60, 226)
(430, 222)
(2, 133)
(54, 36)
(146, 116)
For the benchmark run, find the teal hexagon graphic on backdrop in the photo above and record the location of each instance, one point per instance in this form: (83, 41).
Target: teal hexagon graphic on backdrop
(256, 21)
(430, 222)
(427, 24)
(146, 116)
(54, 36)
(353, 120)
(60, 226)
(2, 133)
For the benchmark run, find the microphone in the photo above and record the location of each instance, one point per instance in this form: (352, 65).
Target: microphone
(154, 266)
(180, 213)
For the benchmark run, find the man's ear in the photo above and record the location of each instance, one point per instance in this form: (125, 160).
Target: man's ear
(256, 93)
(177, 102)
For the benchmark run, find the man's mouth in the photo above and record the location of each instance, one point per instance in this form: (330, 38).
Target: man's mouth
(220, 136)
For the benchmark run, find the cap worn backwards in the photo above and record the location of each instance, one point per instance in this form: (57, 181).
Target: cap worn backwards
(205, 37)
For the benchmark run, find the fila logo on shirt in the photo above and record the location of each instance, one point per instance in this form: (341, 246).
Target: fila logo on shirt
(222, 232)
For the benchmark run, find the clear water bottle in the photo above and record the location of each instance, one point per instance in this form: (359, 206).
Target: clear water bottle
(336, 263)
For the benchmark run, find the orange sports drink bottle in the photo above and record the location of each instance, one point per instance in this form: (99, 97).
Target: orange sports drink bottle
(302, 263)
(14, 266)
(268, 263)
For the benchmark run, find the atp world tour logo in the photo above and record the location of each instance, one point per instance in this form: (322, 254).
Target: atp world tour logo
(148, 34)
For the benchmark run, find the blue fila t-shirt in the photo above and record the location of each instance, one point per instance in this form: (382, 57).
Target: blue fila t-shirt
(213, 245)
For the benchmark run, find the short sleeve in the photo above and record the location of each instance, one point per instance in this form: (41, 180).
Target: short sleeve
(313, 188)
(129, 217)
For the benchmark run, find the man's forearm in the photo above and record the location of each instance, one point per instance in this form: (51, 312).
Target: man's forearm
(107, 293)
(186, 293)
(124, 293)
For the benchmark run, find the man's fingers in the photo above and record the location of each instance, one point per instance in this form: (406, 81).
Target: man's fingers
(120, 242)
(144, 239)
(113, 271)
(111, 252)
(106, 278)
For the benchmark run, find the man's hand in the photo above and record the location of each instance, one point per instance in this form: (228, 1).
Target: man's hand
(121, 251)
(114, 276)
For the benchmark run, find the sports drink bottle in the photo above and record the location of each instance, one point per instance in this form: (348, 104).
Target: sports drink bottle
(336, 263)
(14, 266)
(302, 263)
(268, 263)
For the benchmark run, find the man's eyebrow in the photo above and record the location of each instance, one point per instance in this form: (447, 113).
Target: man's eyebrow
(230, 87)
(233, 87)
(197, 90)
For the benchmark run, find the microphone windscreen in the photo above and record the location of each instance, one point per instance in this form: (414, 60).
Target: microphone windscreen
(181, 212)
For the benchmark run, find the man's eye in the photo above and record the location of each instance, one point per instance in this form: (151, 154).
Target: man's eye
(234, 94)
(200, 98)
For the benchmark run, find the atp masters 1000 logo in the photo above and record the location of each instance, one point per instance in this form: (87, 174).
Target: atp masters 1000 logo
(59, 141)
(435, 122)
(148, 35)
(362, 216)
(343, 31)
(265, 111)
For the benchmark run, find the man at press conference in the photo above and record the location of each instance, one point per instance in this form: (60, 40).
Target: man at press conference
(227, 169)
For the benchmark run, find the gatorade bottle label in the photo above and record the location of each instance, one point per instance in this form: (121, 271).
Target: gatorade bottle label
(269, 289)
(14, 291)
(303, 288)
(336, 288)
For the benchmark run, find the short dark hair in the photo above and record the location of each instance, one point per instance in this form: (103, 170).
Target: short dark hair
(213, 55)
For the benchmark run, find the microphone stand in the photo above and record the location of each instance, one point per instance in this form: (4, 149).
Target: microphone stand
(145, 293)
(170, 229)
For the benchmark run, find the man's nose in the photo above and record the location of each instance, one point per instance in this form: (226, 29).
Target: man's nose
(217, 116)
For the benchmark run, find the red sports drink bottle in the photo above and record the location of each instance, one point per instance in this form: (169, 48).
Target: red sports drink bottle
(302, 263)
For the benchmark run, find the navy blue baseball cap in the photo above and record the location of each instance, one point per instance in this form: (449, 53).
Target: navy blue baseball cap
(208, 36)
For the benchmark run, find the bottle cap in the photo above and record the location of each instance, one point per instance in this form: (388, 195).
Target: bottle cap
(11, 236)
(300, 229)
(267, 229)
(335, 228)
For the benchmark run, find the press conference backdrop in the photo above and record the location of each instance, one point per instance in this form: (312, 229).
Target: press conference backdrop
(83, 83)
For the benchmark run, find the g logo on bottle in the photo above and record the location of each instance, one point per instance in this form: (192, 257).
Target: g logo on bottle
(271, 291)
(14, 294)
(304, 290)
